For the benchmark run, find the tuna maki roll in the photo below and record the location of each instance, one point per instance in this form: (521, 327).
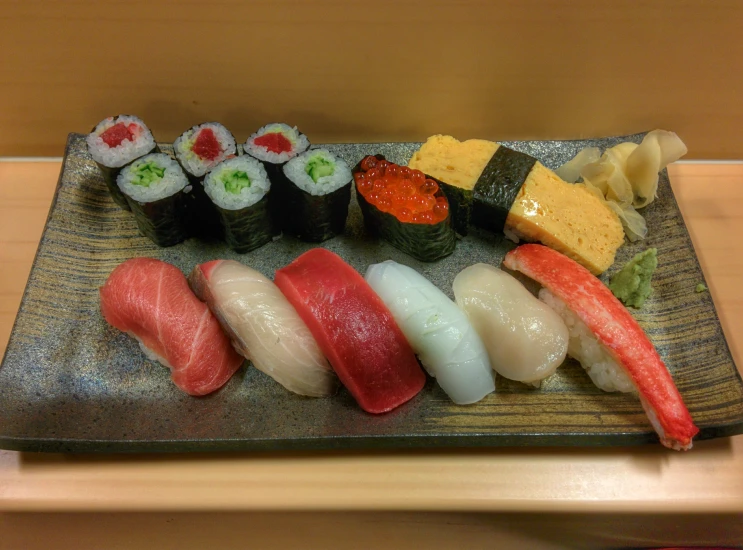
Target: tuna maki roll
(274, 145)
(239, 189)
(198, 150)
(313, 196)
(155, 188)
(114, 143)
(405, 208)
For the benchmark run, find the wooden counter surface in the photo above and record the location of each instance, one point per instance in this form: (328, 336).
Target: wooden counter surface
(645, 479)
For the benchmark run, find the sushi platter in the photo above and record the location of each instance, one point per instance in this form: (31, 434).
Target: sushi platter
(72, 382)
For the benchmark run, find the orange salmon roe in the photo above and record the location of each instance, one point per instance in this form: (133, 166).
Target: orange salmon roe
(406, 194)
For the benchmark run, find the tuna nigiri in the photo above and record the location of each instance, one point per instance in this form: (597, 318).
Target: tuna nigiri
(526, 340)
(150, 300)
(606, 336)
(438, 331)
(354, 329)
(264, 327)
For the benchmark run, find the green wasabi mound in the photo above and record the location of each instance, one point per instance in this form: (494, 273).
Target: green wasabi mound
(234, 181)
(701, 287)
(319, 167)
(147, 173)
(632, 284)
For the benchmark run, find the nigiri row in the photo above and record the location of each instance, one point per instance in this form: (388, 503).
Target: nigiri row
(320, 321)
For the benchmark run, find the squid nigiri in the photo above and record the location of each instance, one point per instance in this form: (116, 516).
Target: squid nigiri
(606, 337)
(437, 330)
(264, 327)
(525, 339)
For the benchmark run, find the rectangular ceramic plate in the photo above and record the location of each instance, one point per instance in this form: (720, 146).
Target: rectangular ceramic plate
(69, 382)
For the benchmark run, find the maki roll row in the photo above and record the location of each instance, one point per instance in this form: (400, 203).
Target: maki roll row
(213, 189)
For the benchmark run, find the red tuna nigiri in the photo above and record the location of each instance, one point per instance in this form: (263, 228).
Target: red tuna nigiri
(354, 329)
(151, 301)
(617, 331)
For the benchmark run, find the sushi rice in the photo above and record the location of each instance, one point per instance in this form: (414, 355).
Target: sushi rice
(299, 142)
(252, 186)
(137, 181)
(127, 150)
(296, 170)
(191, 162)
(583, 346)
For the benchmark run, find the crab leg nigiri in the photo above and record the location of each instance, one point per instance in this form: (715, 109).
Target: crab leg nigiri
(581, 298)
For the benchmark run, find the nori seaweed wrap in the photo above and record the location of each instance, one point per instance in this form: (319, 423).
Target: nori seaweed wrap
(198, 150)
(155, 188)
(312, 195)
(497, 187)
(239, 189)
(404, 208)
(116, 142)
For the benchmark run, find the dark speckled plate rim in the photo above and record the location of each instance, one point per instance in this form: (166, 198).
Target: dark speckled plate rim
(348, 442)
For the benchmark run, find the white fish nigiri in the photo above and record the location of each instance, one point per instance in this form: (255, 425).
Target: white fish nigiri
(526, 340)
(264, 327)
(437, 330)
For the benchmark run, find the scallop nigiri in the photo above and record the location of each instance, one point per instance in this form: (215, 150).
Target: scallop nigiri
(437, 330)
(525, 339)
(607, 340)
(264, 327)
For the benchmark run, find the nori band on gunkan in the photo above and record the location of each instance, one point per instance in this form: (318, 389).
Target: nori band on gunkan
(460, 204)
(114, 143)
(239, 188)
(404, 208)
(198, 150)
(155, 188)
(497, 187)
(313, 195)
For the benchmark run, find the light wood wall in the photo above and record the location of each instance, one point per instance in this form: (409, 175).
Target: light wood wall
(346, 70)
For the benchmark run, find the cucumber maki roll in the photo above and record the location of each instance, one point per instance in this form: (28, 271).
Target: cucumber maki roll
(405, 208)
(274, 145)
(155, 188)
(114, 143)
(313, 196)
(239, 189)
(198, 150)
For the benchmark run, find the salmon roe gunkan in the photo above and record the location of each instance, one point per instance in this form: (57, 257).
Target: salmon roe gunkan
(398, 190)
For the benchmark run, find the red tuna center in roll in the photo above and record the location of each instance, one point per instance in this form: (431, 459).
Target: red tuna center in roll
(151, 301)
(354, 330)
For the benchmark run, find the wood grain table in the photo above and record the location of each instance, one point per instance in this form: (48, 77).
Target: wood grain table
(441, 498)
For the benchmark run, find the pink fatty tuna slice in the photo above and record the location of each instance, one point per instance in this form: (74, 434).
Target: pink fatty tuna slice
(617, 331)
(354, 329)
(151, 301)
(264, 326)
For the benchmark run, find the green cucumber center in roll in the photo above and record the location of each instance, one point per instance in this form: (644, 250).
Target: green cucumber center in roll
(319, 167)
(147, 173)
(234, 181)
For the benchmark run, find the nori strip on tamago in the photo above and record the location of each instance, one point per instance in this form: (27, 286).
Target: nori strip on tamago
(424, 241)
(248, 228)
(162, 221)
(497, 187)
